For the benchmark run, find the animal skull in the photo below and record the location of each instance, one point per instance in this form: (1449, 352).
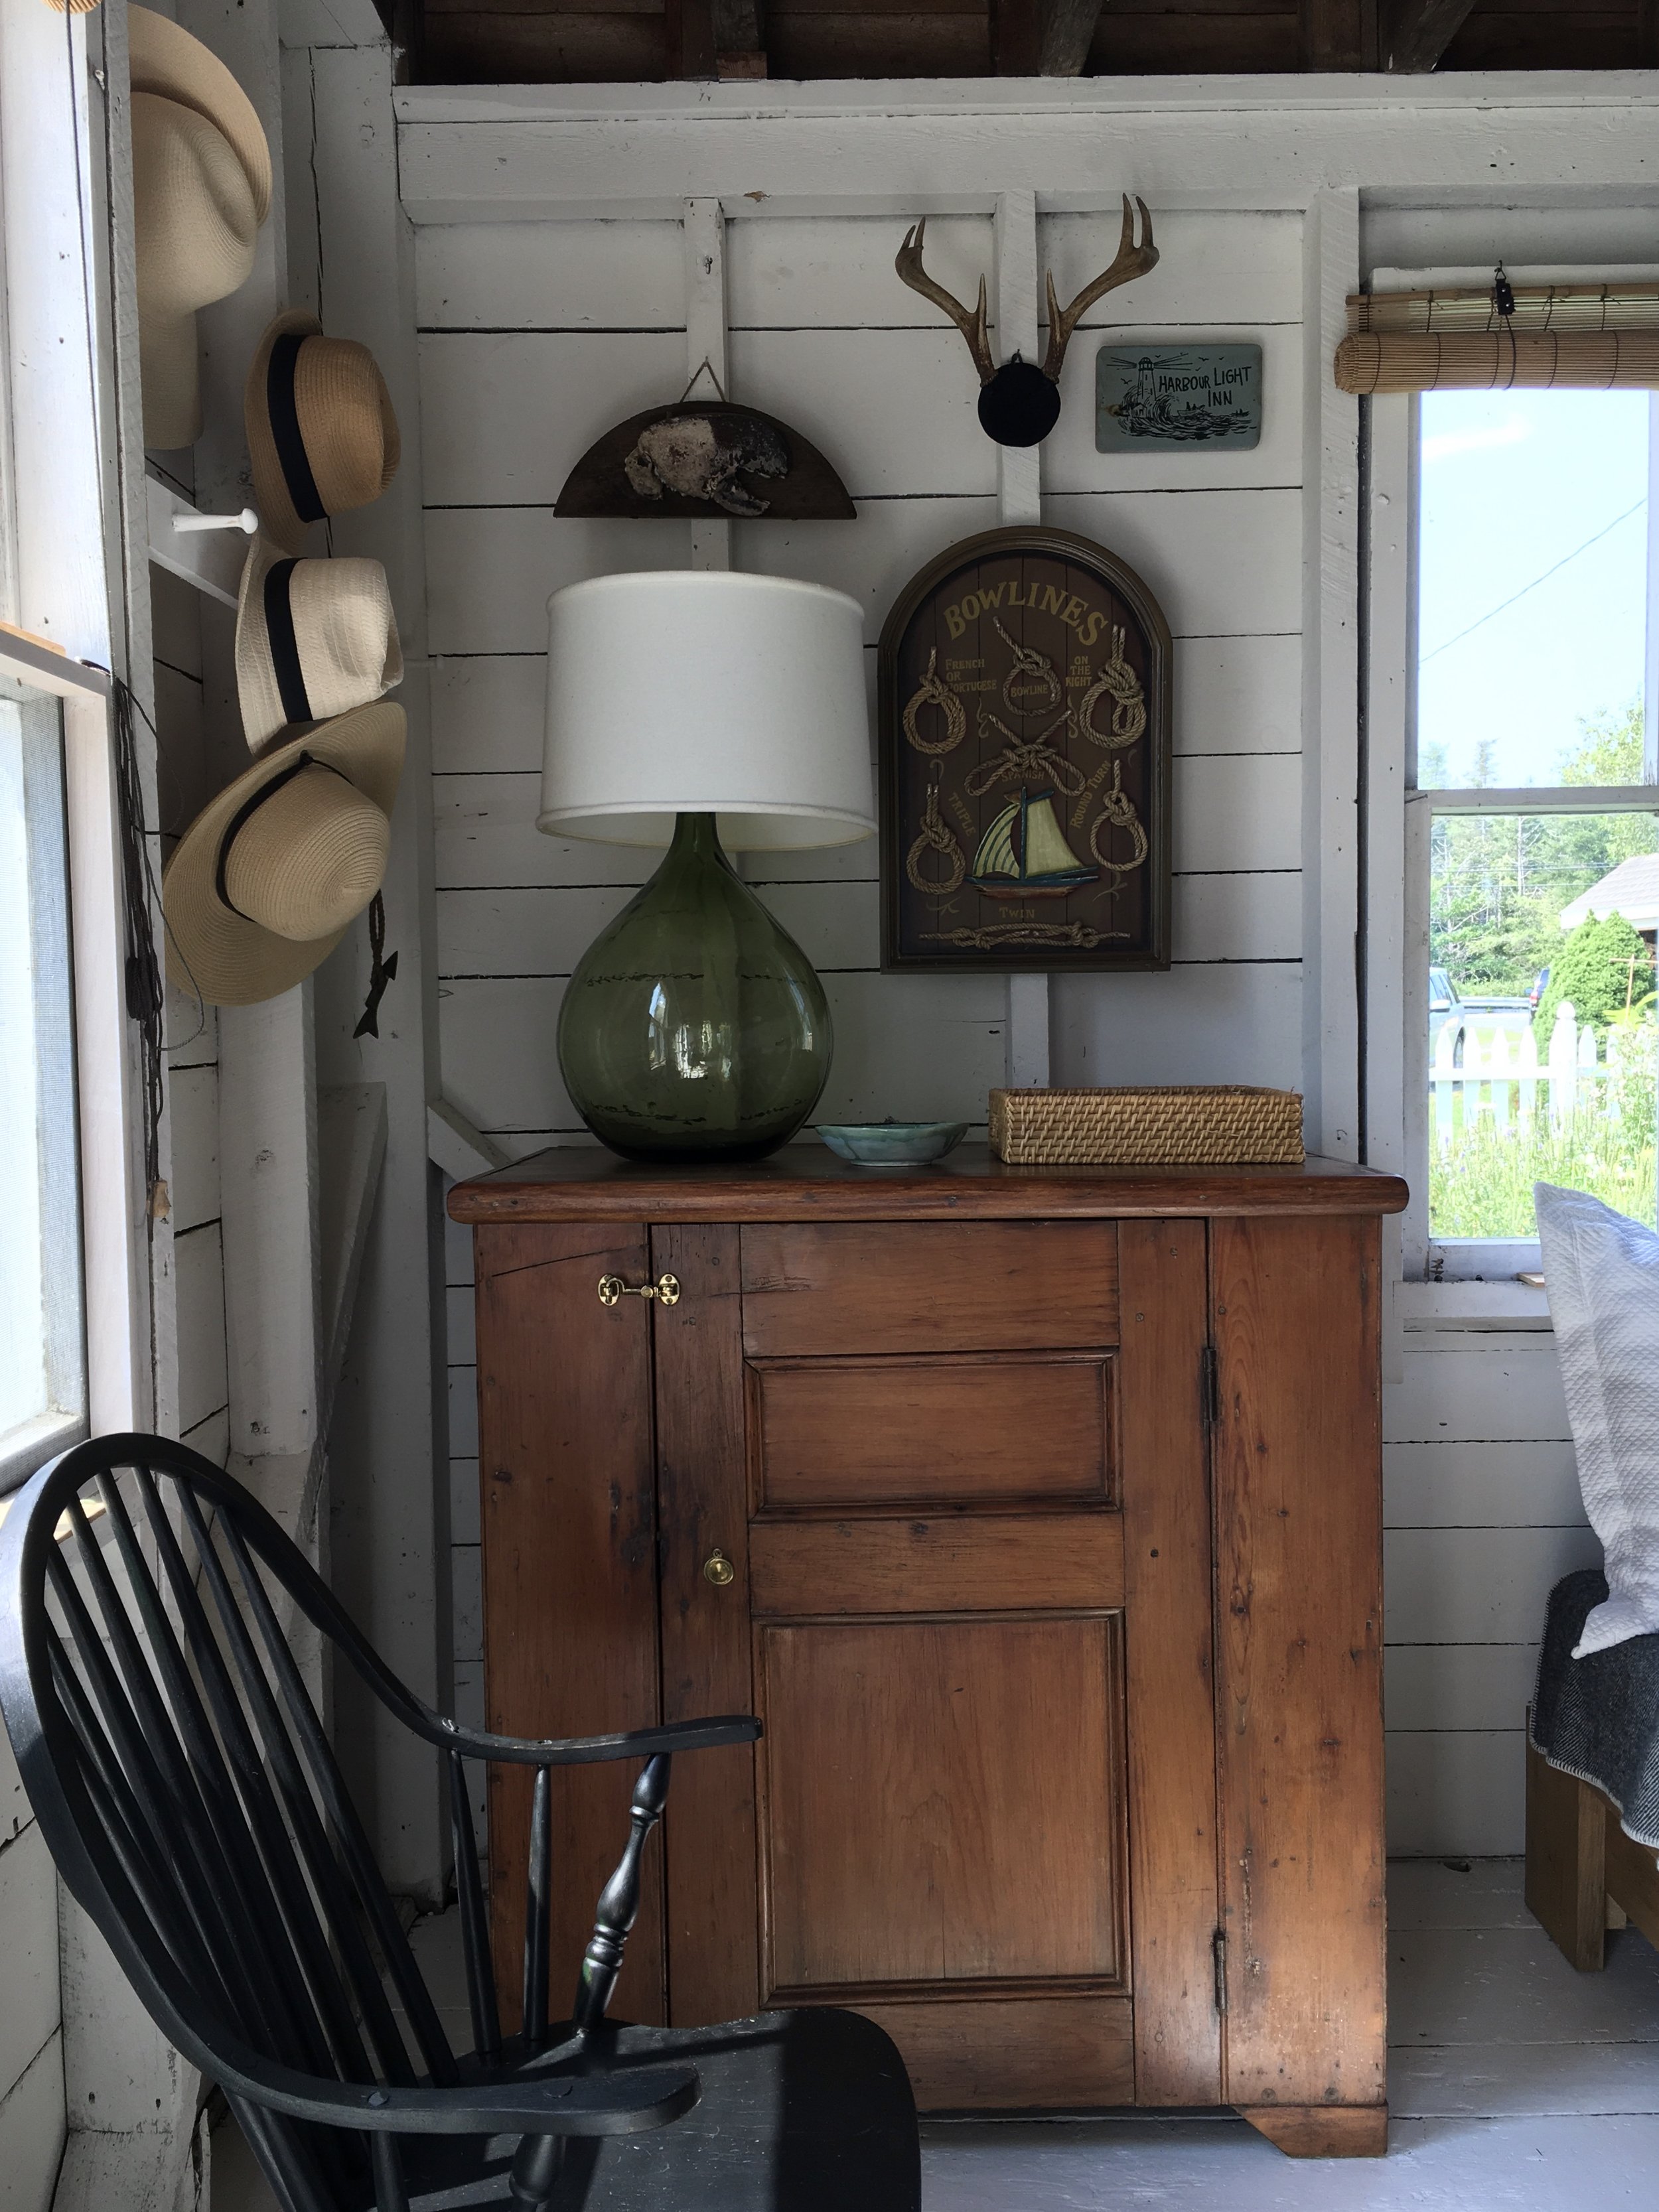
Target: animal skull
(699, 457)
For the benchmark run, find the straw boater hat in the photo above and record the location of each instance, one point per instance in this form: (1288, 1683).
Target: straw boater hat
(201, 175)
(313, 638)
(267, 878)
(320, 427)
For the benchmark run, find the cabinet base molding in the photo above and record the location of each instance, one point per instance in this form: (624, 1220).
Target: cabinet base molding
(1321, 2130)
(1020, 2054)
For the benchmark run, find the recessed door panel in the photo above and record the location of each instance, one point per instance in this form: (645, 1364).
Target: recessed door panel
(943, 1804)
(972, 1430)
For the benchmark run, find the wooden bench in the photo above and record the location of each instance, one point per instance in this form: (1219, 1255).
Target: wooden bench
(1584, 1874)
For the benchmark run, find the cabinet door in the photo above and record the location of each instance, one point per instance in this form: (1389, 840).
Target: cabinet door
(907, 1439)
(569, 1585)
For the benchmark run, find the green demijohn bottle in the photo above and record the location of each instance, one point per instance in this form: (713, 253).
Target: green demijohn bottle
(694, 1027)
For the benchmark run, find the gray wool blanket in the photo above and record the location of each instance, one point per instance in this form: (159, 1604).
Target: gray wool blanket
(1598, 1716)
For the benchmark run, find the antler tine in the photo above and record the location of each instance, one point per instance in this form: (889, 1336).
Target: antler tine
(972, 326)
(1130, 261)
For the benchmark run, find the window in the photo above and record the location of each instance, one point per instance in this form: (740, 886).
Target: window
(42, 1357)
(1536, 830)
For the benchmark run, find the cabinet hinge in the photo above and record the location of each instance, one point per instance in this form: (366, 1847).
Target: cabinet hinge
(1209, 1396)
(1218, 1946)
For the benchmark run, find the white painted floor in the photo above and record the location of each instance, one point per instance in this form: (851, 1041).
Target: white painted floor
(1515, 2085)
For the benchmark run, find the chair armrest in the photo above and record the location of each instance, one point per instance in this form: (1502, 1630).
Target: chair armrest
(629, 2100)
(587, 1750)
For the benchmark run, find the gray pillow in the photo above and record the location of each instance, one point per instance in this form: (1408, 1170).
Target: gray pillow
(1601, 1274)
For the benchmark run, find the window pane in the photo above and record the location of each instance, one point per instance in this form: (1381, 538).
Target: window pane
(1541, 1015)
(1532, 587)
(41, 1365)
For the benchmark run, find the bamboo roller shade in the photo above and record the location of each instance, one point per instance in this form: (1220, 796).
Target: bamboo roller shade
(1582, 337)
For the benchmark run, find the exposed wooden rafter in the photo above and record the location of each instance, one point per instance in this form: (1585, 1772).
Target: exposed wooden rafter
(739, 38)
(1068, 33)
(1417, 32)
(1338, 34)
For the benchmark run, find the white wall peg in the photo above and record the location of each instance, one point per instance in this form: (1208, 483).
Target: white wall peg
(207, 550)
(246, 521)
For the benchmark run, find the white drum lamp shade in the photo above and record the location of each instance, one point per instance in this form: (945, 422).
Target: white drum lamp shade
(684, 691)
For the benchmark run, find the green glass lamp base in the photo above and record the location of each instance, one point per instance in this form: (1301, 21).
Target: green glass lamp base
(694, 1027)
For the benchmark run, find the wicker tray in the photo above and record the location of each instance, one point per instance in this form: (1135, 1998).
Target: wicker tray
(1195, 1126)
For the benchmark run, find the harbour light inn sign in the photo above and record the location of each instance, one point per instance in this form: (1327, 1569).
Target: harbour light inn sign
(1024, 693)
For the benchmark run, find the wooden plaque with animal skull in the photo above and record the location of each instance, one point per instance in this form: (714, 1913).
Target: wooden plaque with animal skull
(1024, 693)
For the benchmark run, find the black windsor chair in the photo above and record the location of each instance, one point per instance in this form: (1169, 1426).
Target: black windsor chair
(183, 1781)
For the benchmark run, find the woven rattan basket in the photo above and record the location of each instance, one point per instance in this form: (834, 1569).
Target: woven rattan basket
(1196, 1125)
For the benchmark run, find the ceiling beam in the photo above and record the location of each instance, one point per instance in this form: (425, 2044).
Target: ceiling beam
(1068, 33)
(740, 39)
(1334, 34)
(1419, 31)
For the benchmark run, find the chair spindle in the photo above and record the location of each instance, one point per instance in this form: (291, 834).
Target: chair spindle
(619, 1900)
(538, 1909)
(475, 1931)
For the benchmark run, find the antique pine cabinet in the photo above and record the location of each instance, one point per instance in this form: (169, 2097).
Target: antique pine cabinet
(1036, 1512)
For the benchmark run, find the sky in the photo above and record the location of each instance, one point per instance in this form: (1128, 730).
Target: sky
(1513, 482)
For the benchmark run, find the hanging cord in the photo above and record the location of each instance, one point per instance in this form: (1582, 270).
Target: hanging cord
(381, 972)
(1503, 306)
(145, 997)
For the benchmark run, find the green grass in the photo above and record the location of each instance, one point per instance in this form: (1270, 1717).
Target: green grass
(1480, 1185)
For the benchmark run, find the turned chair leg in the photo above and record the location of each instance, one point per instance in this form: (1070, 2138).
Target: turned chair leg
(535, 2173)
(1567, 1883)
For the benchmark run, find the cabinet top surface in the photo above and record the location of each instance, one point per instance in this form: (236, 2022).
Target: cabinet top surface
(808, 1182)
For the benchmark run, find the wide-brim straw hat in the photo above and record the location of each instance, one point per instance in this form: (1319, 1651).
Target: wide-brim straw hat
(271, 873)
(314, 639)
(164, 58)
(196, 218)
(321, 432)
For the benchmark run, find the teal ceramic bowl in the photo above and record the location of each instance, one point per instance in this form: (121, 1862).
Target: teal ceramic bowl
(892, 1144)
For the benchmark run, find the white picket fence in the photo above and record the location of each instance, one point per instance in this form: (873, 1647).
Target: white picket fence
(1503, 1078)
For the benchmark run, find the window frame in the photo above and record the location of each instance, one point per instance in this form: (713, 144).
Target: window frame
(1450, 1279)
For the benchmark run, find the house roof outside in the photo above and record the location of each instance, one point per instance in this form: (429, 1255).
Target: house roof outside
(1632, 889)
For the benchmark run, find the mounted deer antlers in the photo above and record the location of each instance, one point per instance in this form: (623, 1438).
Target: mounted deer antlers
(1129, 262)
(1019, 403)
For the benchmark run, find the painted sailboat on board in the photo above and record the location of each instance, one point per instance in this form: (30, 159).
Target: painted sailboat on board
(1024, 853)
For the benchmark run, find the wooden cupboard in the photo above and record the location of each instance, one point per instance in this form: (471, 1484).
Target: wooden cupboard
(1036, 1512)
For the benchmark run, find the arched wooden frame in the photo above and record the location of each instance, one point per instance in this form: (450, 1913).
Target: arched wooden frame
(954, 924)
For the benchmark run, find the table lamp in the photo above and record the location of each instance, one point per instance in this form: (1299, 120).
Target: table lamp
(698, 710)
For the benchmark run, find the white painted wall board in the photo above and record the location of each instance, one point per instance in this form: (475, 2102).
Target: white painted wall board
(28, 1913)
(545, 933)
(1190, 1025)
(506, 416)
(1455, 1792)
(31, 2133)
(802, 272)
(466, 1596)
(462, 1337)
(1237, 917)
(1219, 563)
(1476, 1585)
(1477, 1397)
(190, 1031)
(1215, 266)
(487, 714)
(1238, 811)
(211, 1437)
(1471, 1486)
(1070, 463)
(1473, 1685)
(198, 1267)
(14, 1805)
(175, 623)
(470, 1711)
(485, 837)
(463, 1386)
(550, 277)
(492, 570)
(466, 1515)
(193, 1096)
(923, 435)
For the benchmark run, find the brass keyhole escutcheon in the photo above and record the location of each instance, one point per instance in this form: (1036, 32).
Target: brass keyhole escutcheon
(719, 1570)
(665, 1290)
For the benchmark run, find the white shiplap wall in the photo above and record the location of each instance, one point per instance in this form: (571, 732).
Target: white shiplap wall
(31, 2022)
(535, 339)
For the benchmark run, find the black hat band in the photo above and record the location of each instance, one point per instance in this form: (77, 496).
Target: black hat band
(249, 807)
(285, 431)
(284, 646)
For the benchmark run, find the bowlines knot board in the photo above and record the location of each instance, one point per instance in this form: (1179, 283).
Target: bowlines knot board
(1025, 761)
